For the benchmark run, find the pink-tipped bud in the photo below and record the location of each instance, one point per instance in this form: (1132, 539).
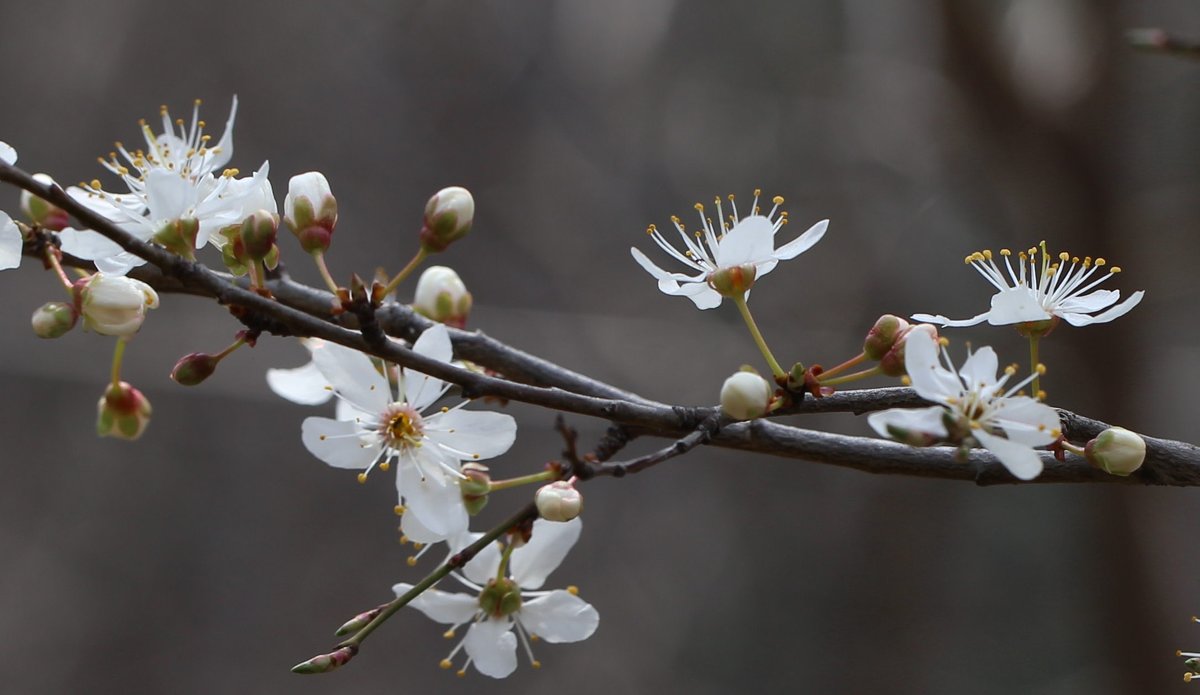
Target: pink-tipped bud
(123, 412)
(475, 487)
(892, 363)
(558, 501)
(326, 662)
(42, 212)
(442, 296)
(114, 304)
(1116, 451)
(358, 622)
(883, 336)
(448, 217)
(194, 368)
(746, 395)
(53, 319)
(734, 281)
(258, 234)
(311, 211)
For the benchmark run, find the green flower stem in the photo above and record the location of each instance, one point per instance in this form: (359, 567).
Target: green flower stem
(1078, 450)
(118, 357)
(503, 569)
(873, 371)
(543, 477)
(852, 362)
(52, 260)
(232, 346)
(256, 278)
(406, 271)
(1033, 364)
(319, 259)
(457, 560)
(776, 370)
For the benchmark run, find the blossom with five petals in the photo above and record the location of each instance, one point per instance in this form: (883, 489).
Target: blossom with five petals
(734, 242)
(1044, 290)
(378, 428)
(554, 616)
(973, 405)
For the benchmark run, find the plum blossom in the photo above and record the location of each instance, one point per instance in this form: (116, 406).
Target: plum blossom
(379, 426)
(1044, 289)
(732, 243)
(505, 599)
(973, 406)
(10, 234)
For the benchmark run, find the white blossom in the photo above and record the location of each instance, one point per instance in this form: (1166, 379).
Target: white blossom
(973, 405)
(730, 243)
(1042, 288)
(553, 616)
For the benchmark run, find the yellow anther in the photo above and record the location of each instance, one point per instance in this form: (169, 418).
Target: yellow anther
(1041, 395)
(403, 539)
(462, 672)
(1040, 369)
(179, 121)
(943, 341)
(1115, 269)
(573, 590)
(95, 183)
(411, 560)
(1100, 262)
(205, 138)
(783, 220)
(674, 218)
(384, 465)
(162, 108)
(362, 477)
(399, 509)
(987, 254)
(1187, 678)
(418, 546)
(757, 192)
(1010, 370)
(1064, 256)
(1023, 256)
(699, 206)
(730, 197)
(1056, 432)
(445, 664)
(322, 437)
(198, 102)
(535, 663)
(475, 456)
(448, 634)
(1074, 259)
(778, 200)
(906, 380)
(533, 637)
(968, 259)
(200, 124)
(1005, 252)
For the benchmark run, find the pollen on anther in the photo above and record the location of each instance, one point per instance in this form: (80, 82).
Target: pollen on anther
(573, 590)
(362, 477)
(445, 664)
(384, 465)
(906, 380)
(1041, 395)
(699, 206)
(462, 672)
(1115, 269)
(1041, 368)
(778, 200)
(322, 437)
(1005, 252)
(398, 509)
(448, 634)
(535, 663)
(1100, 262)
(411, 560)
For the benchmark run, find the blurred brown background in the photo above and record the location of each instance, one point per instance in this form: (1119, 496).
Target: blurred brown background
(216, 553)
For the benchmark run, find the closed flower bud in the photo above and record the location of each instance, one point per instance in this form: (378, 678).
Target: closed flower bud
(448, 217)
(442, 296)
(194, 368)
(558, 501)
(1116, 451)
(745, 396)
(258, 234)
(115, 305)
(53, 319)
(892, 363)
(311, 210)
(123, 412)
(733, 281)
(43, 212)
(883, 335)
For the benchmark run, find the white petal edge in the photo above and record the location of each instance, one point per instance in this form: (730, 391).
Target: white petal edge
(1020, 460)
(304, 385)
(473, 435)
(548, 545)
(441, 606)
(10, 242)
(337, 443)
(559, 616)
(492, 647)
(802, 243)
(927, 420)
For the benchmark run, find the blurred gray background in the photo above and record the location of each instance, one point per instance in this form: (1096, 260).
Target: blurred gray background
(215, 553)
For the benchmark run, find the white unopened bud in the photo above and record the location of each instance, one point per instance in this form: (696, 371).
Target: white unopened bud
(1116, 451)
(442, 296)
(448, 217)
(116, 305)
(745, 396)
(311, 210)
(43, 212)
(53, 320)
(558, 501)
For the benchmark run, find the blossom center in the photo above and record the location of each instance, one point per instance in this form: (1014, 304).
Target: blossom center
(402, 426)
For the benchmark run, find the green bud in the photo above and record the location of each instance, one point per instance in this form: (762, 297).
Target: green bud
(53, 319)
(42, 212)
(194, 368)
(883, 336)
(441, 296)
(258, 233)
(475, 487)
(1116, 451)
(326, 662)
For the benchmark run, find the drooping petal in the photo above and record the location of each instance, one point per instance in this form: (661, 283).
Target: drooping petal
(559, 616)
(926, 420)
(1020, 460)
(940, 320)
(703, 296)
(304, 385)
(929, 378)
(431, 495)
(441, 606)
(472, 435)
(548, 545)
(656, 272)
(353, 375)
(1115, 312)
(980, 368)
(802, 243)
(751, 240)
(10, 242)
(492, 647)
(1016, 305)
(339, 444)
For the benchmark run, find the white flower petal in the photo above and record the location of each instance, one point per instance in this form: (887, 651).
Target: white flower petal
(10, 241)
(339, 444)
(929, 378)
(1027, 421)
(304, 385)
(492, 647)
(1016, 305)
(353, 375)
(654, 270)
(1115, 312)
(486, 562)
(951, 323)
(168, 195)
(87, 244)
(548, 545)
(430, 495)
(750, 241)
(559, 616)
(421, 390)
(7, 154)
(472, 435)
(441, 606)
(980, 368)
(1020, 460)
(703, 296)
(802, 243)
(926, 420)
(1088, 303)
